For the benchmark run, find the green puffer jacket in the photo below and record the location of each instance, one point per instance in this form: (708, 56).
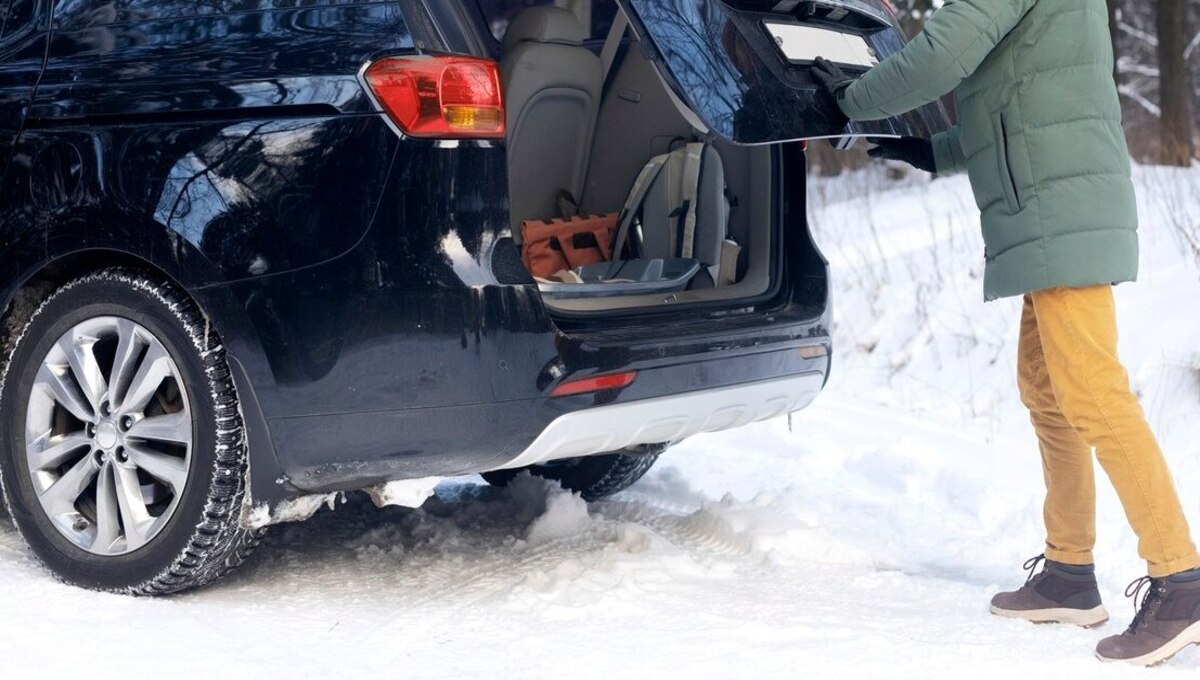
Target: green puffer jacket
(1039, 134)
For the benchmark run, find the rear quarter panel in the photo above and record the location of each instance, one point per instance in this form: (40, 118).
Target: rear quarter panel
(216, 141)
(239, 128)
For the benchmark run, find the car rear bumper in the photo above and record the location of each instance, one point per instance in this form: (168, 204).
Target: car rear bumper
(603, 429)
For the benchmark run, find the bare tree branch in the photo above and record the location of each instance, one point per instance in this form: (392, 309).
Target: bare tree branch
(1131, 67)
(1136, 96)
(1135, 32)
(1191, 47)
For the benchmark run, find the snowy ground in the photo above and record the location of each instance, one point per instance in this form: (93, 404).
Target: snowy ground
(862, 538)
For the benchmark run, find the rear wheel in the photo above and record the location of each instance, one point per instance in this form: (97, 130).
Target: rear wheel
(593, 477)
(122, 458)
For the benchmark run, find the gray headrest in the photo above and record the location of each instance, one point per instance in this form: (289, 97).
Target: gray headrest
(545, 24)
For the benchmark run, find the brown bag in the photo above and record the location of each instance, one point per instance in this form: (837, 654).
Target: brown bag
(551, 246)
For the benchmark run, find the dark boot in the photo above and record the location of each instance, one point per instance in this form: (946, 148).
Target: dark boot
(1167, 621)
(1060, 593)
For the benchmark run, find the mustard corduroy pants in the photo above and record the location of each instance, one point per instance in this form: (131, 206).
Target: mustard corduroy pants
(1079, 400)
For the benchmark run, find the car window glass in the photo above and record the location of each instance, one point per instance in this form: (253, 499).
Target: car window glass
(84, 13)
(259, 5)
(597, 15)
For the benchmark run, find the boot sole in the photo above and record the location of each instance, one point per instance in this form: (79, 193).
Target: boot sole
(1190, 636)
(1085, 618)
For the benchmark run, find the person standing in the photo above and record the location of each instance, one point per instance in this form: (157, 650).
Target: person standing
(1040, 136)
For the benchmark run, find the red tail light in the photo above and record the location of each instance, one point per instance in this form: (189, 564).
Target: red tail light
(447, 97)
(594, 384)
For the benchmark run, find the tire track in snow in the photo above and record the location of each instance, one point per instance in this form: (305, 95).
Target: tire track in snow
(471, 542)
(698, 531)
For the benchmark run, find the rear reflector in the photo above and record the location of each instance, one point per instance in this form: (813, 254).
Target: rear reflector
(594, 384)
(813, 351)
(440, 97)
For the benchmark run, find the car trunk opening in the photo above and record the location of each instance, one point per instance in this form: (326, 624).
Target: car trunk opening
(648, 174)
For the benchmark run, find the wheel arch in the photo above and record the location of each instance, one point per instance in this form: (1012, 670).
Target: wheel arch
(38, 279)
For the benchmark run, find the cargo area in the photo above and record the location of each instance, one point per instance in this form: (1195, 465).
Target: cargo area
(644, 141)
(579, 137)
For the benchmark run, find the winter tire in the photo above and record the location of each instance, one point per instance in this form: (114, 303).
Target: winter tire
(122, 459)
(593, 477)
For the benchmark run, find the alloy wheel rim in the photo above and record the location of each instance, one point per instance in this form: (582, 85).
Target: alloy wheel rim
(108, 435)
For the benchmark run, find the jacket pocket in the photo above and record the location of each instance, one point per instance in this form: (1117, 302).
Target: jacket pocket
(1009, 183)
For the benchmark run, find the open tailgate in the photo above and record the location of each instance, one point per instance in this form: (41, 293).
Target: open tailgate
(743, 66)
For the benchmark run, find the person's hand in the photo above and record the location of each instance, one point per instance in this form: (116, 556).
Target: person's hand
(915, 151)
(831, 77)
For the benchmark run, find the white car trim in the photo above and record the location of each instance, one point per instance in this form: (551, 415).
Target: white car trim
(604, 429)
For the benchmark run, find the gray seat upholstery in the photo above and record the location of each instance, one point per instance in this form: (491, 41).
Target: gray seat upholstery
(552, 94)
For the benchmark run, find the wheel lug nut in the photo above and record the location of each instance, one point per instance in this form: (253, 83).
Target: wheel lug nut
(122, 456)
(126, 422)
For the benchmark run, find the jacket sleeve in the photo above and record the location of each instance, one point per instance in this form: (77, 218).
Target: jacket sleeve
(955, 40)
(948, 157)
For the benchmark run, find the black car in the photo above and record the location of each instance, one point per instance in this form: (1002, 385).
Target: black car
(257, 252)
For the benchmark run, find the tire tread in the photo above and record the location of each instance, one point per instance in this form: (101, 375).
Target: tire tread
(218, 543)
(593, 478)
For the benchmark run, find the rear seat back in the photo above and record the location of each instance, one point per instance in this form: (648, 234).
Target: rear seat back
(674, 194)
(552, 94)
(682, 206)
